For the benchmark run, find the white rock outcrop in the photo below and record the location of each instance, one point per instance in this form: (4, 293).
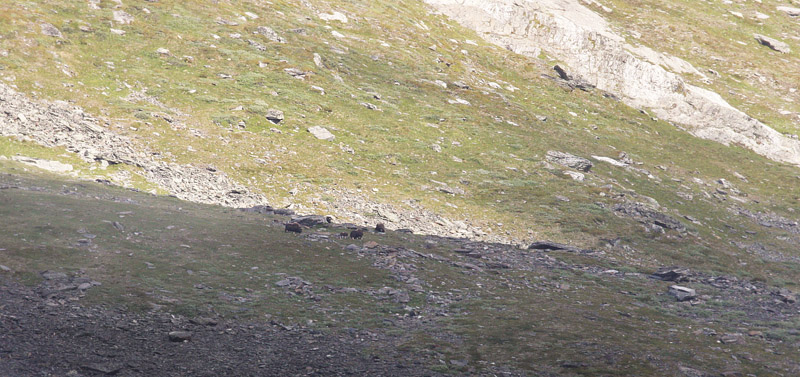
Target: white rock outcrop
(641, 77)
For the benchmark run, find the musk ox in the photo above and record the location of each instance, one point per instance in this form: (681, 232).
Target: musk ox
(380, 228)
(357, 234)
(344, 235)
(293, 227)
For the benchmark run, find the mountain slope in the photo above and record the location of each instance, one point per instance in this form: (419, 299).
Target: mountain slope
(436, 131)
(113, 265)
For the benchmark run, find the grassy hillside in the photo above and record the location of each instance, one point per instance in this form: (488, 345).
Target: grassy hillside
(542, 313)
(417, 103)
(396, 53)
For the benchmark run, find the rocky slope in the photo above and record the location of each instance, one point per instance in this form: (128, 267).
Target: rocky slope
(640, 76)
(58, 124)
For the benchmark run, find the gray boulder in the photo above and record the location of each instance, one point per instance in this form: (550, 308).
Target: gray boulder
(180, 336)
(310, 220)
(274, 116)
(791, 11)
(50, 30)
(569, 160)
(270, 34)
(555, 246)
(671, 274)
(321, 133)
(773, 43)
(682, 293)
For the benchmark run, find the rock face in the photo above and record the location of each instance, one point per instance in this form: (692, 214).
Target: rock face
(772, 43)
(57, 123)
(583, 40)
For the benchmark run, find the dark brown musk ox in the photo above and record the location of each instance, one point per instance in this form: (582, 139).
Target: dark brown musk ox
(357, 234)
(294, 228)
(380, 228)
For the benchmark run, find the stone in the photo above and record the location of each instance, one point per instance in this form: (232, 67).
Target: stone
(646, 213)
(270, 34)
(335, 16)
(785, 295)
(122, 17)
(682, 293)
(458, 101)
(162, 51)
(117, 31)
(5, 268)
(50, 30)
(569, 160)
(452, 190)
(317, 60)
(691, 372)
(675, 274)
(296, 73)
(180, 336)
(772, 43)
(256, 45)
(575, 175)
(84, 286)
(436, 148)
(274, 116)
(310, 220)
(459, 363)
(371, 245)
(52, 275)
(555, 246)
(321, 133)
(731, 338)
(610, 161)
(791, 11)
(460, 85)
(203, 321)
(118, 226)
(396, 294)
